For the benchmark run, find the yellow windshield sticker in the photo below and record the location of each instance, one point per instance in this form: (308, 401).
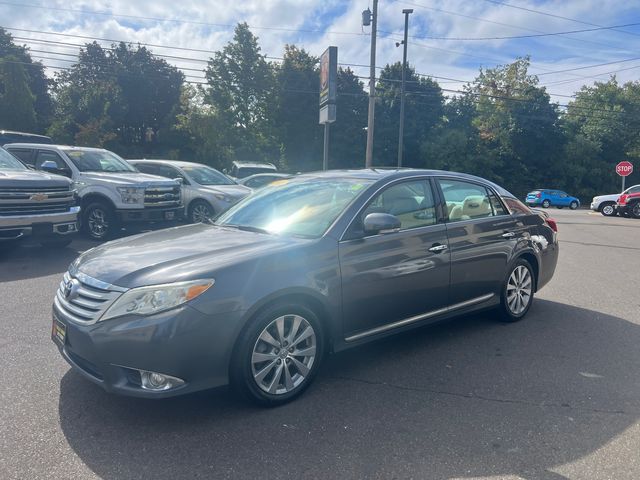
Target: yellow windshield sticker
(277, 183)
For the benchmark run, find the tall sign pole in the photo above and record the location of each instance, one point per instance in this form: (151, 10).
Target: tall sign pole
(328, 95)
(372, 84)
(406, 12)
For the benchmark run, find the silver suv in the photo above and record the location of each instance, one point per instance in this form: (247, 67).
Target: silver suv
(206, 191)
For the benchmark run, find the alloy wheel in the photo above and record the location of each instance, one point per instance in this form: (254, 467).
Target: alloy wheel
(98, 223)
(519, 289)
(635, 210)
(607, 210)
(283, 354)
(200, 213)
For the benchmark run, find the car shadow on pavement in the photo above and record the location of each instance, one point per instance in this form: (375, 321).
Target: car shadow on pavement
(467, 398)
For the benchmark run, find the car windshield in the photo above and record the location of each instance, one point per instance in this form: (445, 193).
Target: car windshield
(98, 161)
(296, 207)
(207, 176)
(9, 162)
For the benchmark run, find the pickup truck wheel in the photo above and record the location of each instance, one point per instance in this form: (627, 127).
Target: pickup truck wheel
(56, 243)
(546, 204)
(99, 221)
(635, 210)
(200, 211)
(573, 205)
(608, 209)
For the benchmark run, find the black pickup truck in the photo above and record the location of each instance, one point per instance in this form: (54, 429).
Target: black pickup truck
(35, 204)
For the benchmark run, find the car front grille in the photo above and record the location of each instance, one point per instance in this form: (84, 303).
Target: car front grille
(84, 299)
(35, 201)
(161, 196)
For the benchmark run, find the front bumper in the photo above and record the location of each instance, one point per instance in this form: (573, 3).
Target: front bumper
(182, 342)
(150, 214)
(64, 223)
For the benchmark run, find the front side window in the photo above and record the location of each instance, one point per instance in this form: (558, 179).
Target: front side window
(465, 200)
(412, 202)
(9, 162)
(46, 156)
(305, 207)
(98, 161)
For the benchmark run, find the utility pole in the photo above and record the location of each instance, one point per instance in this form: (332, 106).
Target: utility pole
(406, 12)
(373, 19)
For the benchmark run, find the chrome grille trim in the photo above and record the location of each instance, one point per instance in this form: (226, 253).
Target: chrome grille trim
(93, 298)
(162, 195)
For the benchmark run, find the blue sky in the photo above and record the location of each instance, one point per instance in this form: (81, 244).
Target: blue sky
(440, 42)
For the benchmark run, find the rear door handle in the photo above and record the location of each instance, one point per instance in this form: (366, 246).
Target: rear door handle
(508, 235)
(438, 248)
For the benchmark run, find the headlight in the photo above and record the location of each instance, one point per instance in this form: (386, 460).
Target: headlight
(131, 194)
(156, 298)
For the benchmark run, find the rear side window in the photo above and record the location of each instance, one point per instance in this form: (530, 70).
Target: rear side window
(516, 206)
(634, 190)
(467, 201)
(24, 154)
(146, 168)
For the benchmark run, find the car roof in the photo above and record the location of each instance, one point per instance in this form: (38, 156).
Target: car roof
(50, 146)
(26, 134)
(161, 161)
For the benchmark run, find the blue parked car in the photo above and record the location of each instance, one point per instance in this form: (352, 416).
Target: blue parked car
(546, 198)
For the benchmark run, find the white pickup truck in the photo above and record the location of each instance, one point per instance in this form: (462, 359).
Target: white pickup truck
(112, 193)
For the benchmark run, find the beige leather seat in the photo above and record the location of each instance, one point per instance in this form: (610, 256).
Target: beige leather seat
(476, 207)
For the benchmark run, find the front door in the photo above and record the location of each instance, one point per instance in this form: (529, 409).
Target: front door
(482, 236)
(391, 277)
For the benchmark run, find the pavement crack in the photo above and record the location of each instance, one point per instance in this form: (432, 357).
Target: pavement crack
(482, 397)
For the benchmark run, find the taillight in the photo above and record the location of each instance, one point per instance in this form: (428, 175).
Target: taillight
(538, 195)
(552, 224)
(622, 200)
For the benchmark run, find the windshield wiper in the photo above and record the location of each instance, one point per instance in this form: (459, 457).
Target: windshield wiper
(247, 228)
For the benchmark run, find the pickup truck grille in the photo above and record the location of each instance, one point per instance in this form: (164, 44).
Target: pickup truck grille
(34, 201)
(84, 299)
(162, 196)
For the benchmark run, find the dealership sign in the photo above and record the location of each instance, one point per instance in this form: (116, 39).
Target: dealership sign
(328, 84)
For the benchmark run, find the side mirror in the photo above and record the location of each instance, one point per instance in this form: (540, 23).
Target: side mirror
(49, 166)
(381, 223)
(180, 180)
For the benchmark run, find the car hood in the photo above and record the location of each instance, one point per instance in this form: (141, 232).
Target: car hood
(124, 178)
(31, 179)
(175, 254)
(611, 196)
(235, 191)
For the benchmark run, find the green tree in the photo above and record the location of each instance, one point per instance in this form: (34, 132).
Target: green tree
(17, 103)
(36, 79)
(241, 89)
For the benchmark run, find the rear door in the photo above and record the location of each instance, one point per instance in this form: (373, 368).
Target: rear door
(482, 236)
(390, 278)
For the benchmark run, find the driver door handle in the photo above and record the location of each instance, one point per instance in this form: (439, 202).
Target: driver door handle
(438, 248)
(508, 235)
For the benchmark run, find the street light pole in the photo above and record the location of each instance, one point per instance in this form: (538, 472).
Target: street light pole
(372, 87)
(406, 12)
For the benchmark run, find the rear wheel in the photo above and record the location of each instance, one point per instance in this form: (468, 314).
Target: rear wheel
(573, 205)
(608, 209)
(517, 292)
(99, 221)
(278, 355)
(546, 204)
(635, 210)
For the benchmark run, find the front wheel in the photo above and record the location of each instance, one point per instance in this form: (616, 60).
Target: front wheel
(99, 221)
(573, 205)
(200, 212)
(546, 204)
(608, 210)
(278, 355)
(517, 292)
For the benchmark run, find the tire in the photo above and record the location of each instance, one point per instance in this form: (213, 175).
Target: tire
(257, 362)
(56, 243)
(99, 221)
(546, 204)
(634, 210)
(200, 211)
(573, 205)
(608, 209)
(559, 207)
(515, 291)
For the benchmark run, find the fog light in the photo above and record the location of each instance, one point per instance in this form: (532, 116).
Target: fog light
(158, 381)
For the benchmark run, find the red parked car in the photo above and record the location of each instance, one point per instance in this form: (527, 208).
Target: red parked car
(629, 204)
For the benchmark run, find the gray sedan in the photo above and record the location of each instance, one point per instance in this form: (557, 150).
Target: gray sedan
(206, 192)
(316, 264)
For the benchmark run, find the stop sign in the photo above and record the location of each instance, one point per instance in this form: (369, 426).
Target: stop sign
(624, 168)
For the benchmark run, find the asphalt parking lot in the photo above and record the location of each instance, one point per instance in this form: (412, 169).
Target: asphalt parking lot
(554, 396)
